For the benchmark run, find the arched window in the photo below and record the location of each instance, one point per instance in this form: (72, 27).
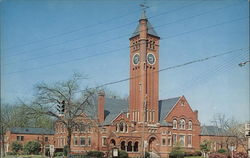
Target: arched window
(190, 126)
(76, 128)
(117, 127)
(123, 145)
(182, 124)
(82, 127)
(174, 124)
(121, 127)
(129, 147)
(136, 147)
(126, 128)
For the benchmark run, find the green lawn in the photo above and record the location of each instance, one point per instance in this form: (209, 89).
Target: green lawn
(193, 157)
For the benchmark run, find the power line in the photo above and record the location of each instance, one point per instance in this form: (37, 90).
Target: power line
(204, 75)
(91, 34)
(98, 54)
(171, 67)
(206, 27)
(108, 40)
(71, 31)
(220, 68)
(224, 66)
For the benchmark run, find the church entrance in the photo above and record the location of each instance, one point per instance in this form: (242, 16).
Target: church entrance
(152, 144)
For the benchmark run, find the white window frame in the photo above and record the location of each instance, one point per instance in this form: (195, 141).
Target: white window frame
(175, 123)
(75, 138)
(176, 138)
(184, 141)
(191, 139)
(163, 138)
(170, 138)
(81, 141)
(182, 124)
(190, 123)
(103, 141)
(89, 141)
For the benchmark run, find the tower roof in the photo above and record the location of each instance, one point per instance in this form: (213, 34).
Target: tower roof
(151, 30)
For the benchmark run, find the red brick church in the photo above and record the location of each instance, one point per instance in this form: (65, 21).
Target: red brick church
(144, 123)
(160, 124)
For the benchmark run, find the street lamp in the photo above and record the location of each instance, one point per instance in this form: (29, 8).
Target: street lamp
(243, 63)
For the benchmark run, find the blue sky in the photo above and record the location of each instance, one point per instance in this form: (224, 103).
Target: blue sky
(47, 41)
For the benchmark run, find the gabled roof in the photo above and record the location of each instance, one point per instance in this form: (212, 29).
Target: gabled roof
(116, 105)
(112, 108)
(44, 131)
(109, 118)
(151, 30)
(212, 131)
(165, 107)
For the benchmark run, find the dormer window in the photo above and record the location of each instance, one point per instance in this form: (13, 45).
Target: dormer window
(182, 124)
(174, 124)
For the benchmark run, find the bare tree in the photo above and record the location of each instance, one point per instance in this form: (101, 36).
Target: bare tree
(231, 129)
(67, 94)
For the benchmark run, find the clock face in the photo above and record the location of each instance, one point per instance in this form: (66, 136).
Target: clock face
(151, 58)
(136, 59)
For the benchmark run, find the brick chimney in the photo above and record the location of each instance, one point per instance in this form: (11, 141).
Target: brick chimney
(196, 114)
(100, 111)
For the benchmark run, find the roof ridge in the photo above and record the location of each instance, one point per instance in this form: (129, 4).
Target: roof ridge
(169, 98)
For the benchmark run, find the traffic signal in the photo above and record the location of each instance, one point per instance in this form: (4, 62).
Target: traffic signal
(61, 107)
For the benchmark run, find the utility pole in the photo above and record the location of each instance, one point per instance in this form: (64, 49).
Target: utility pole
(247, 125)
(143, 43)
(247, 134)
(143, 126)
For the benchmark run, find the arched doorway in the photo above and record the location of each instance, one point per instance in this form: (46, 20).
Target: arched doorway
(152, 144)
(123, 145)
(129, 148)
(112, 142)
(136, 147)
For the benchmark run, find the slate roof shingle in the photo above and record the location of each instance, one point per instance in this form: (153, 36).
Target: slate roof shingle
(113, 107)
(164, 107)
(20, 130)
(151, 30)
(212, 131)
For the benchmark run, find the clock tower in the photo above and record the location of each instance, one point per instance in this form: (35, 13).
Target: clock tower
(144, 75)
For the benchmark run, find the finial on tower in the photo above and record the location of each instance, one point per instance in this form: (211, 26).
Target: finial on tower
(144, 7)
